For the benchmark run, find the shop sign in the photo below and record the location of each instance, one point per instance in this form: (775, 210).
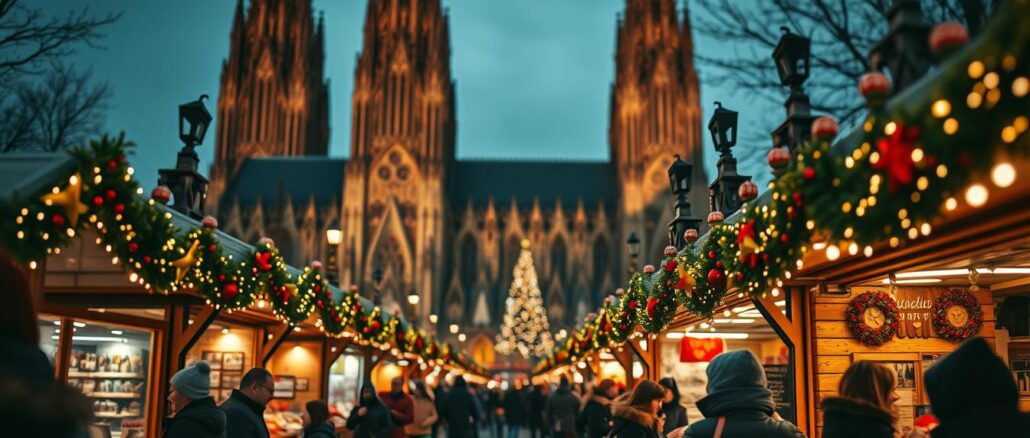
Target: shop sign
(700, 349)
(915, 310)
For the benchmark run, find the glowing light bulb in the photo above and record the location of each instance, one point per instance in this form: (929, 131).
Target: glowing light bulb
(832, 252)
(976, 195)
(1003, 174)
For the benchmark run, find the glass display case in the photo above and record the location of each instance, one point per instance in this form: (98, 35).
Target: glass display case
(345, 382)
(49, 337)
(110, 365)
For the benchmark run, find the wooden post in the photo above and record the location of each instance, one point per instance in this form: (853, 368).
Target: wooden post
(793, 332)
(654, 349)
(643, 355)
(332, 348)
(625, 358)
(271, 341)
(179, 337)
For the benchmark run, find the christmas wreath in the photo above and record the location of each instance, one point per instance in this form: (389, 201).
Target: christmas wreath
(877, 308)
(956, 315)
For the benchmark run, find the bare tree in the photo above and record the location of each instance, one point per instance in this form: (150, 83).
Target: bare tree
(44, 104)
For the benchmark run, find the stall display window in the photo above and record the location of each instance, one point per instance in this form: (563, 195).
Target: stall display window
(345, 382)
(49, 337)
(109, 365)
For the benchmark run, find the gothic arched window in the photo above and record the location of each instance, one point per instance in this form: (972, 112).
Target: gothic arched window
(468, 265)
(601, 262)
(559, 258)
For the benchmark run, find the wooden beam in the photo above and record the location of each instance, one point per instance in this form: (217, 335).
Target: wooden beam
(64, 349)
(271, 341)
(185, 334)
(332, 348)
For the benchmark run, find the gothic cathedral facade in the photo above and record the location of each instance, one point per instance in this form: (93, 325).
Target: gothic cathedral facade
(445, 227)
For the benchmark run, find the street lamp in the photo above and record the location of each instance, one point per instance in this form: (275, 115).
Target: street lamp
(792, 56)
(377, 281)
(193, 122)
(679, 176)
(188, 187)
(333, 235)
(454, 329)
(723, 127)
(680, 173)
(722, 193)
(633, 246)
(413, 299)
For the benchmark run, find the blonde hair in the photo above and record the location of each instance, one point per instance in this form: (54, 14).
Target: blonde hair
(870, 382)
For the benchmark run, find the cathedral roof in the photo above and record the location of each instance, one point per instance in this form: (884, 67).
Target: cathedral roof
(273, 178)
(526, 180)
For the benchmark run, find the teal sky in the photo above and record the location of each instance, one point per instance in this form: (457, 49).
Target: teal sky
(533, 76)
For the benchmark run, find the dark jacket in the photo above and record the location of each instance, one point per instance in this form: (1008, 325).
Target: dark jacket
(514, 407)
(244, 417)
(675, 417)
(537, 403)
(737, 390)
(972, 393)
(201, 418)
(402, 411)
(631, 422)
(561, 411)
(461, 411)
(596, 415)
(325, 430)
(375, 423)
(851, 418)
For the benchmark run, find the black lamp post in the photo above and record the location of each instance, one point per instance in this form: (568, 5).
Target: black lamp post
(723, 193)
(680, 173)
(333, 236)
(188, 187)
(904, 50)
(633, 246)
(793, 59)
(377, 281)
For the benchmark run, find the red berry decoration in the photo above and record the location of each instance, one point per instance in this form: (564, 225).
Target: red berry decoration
(808, 173)
(716, 278)
(146, 259)
(112, 164)
(748, 191)
(119, 208)
(230, 291)
(711, 254)
(671, 265)
(58, 220)
(211, 248)
(716, 217)
(209, 222)
(946, 37)
(632, 304)
(133, 247)
(161, 194)
(652, 304)
(778, 158)
(824, 127)
(98, 201)
(110, 194)
(874, 87)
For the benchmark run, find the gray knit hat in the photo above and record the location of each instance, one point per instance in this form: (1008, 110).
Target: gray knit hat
(194, 381)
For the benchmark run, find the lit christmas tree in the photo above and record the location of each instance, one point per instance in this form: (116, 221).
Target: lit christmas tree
(525, 329)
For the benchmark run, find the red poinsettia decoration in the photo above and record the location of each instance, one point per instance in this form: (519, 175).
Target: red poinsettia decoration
(263, 260)
(896, 156)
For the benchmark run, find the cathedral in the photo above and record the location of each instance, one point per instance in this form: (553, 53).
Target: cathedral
(447, 228)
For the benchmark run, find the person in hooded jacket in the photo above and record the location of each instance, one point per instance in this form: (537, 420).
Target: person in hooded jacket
(537, 403)
(973, 393)
(865, 406)
(738, 398)
(316, 420)
(562, 409)
(370, 418)
(597, 414)
(673, 411)
(461, 411)
(196, 415)
(637, 415)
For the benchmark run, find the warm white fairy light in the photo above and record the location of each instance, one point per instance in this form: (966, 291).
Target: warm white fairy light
(1003, 174)
(976, 195)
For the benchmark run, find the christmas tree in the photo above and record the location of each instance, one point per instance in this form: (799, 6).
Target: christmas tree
(525, 329)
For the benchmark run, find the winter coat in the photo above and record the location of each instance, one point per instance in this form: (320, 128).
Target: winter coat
(514, 407)
(402, 411)
(737, 390)
(561, 412)
(424, 417)
(972, 393)
(201, 418)
(375, 423)
(244, 417)
(461, 411)
(852, 418)
(631, 422)
(537, 404)
(675, 417)
(325, 430)
(596, 416)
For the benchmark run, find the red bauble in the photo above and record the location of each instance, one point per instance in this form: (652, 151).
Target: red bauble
(110, 194)
(784, 238)
(690, 235)
(748, 191)
(209, 222)
(133, 247)
(376, 325)
(266, 241)
(161, 194)
(211, 248)
(316, 265)
(711, 254)
(946, 37)
(652, 304)
(874, 87)
(716, 217)
(671, 265)
(632, 304)
(824, 127)
(146, 259)
(58, 220)
(317, 288)
(778, 158)
(718, 264)
(670, 251)
(98, 201)
(607, 301)
(808, 173)
(112, 164)
(119, 208)
(649, 269)
(620, 292)
(230, 291)
(716, 278)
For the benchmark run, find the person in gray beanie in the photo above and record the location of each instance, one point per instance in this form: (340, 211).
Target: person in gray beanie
(195, 413)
